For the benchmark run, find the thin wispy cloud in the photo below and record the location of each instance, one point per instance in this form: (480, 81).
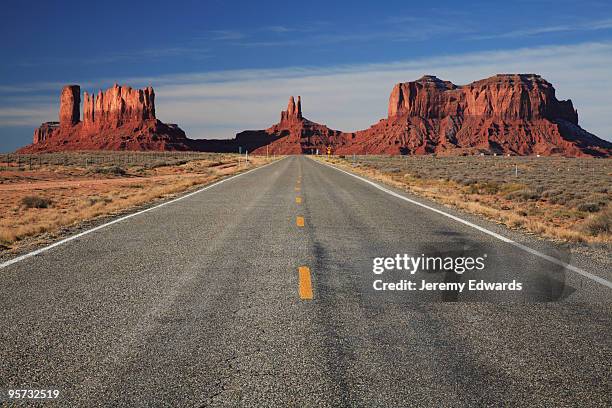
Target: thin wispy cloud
(311, 26)
(319, 33)
(226, 35)
(402, 19)
(23, 116)
(153, 54)
(278, 29)
(559, 28)
(358, 35)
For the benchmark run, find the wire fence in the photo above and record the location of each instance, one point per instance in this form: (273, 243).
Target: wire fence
(100, 159)
(489, 167)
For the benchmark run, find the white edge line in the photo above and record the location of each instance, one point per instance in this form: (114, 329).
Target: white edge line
(99, 227)
(551, 259)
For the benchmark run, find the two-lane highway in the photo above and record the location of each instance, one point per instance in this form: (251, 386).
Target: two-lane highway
(259, 292)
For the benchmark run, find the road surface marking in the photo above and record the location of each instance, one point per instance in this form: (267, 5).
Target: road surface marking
(297, 189)
(99, 227)
(298, 200)
(299, 221)
(525, 248)
(305, 283)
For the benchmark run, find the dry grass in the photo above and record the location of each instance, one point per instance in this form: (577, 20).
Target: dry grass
(65, 190)
(558, 198)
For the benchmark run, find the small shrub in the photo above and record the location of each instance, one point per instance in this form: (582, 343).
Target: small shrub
(510, 187)
(599, 224)
(35, 202)
(551, 193)
(523, 195)
(487, 187)
(468, 182)
(588, 207)
(490, 187)
(96, 199)
(113, 170)
(167, 163)
(559, 199)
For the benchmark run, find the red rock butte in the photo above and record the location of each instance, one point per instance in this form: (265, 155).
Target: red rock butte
(120, 118)
(516, 114)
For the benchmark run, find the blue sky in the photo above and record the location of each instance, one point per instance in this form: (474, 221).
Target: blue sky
(219, 67)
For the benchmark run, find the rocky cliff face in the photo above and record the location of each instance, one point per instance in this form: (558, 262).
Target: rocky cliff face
(70, 104)
(43, 132)
(120, 118)
(506, 97)
(505, 114)
(117, 106)
(293, 112)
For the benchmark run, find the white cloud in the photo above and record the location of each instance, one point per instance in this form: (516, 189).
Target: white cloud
(24, 116)
(224, 35)
(581, 26)
(219, 104)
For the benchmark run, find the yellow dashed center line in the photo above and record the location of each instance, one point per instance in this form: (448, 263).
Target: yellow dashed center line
(305, 288)
(305, 282)
(299, 221)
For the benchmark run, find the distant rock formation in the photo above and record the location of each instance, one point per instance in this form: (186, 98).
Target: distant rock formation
(294, 134)
(504, 114)
(507, 97)
(120, 118)
(516, 114)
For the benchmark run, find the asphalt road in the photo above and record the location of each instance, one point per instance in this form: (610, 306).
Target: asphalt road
(201, 302)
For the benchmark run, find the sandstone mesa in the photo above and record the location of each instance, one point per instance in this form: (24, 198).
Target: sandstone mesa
(515, 114)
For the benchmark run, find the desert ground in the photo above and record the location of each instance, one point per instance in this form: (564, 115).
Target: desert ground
(46, 195)
(553, 197)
